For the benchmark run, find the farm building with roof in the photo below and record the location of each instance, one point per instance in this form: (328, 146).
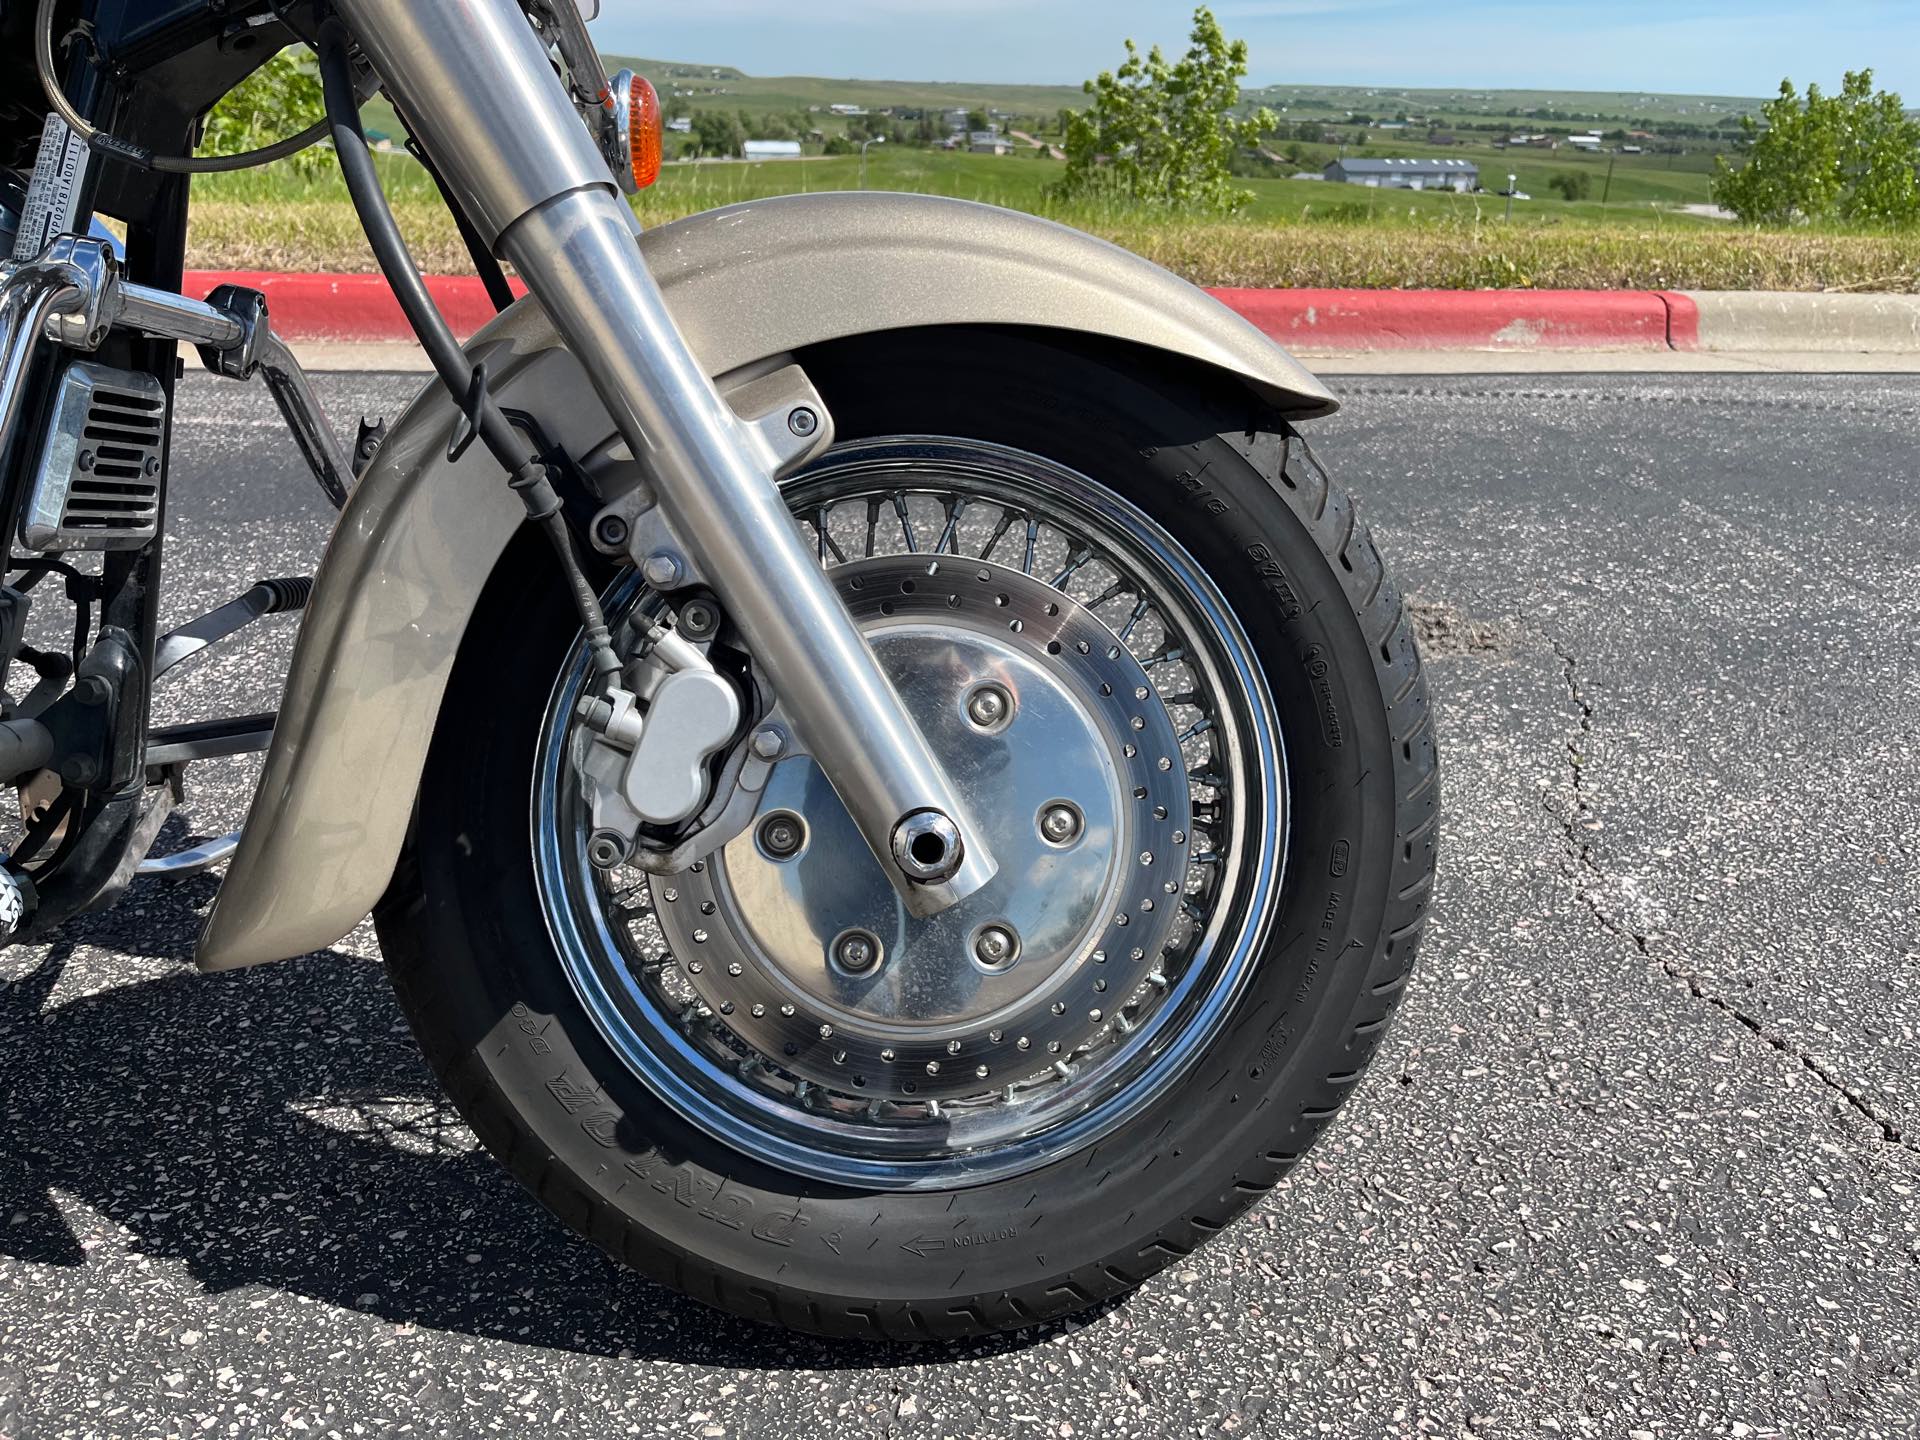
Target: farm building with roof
(1407, 174)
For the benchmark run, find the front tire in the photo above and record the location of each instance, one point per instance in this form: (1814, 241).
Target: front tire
(554, 1092)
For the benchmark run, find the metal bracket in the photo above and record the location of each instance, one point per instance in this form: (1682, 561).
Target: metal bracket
(790, 424)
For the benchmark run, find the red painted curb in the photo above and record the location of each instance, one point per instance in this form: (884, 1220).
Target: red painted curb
(361, 308)
(350, 307)
(1458, 319)
(1683, 320)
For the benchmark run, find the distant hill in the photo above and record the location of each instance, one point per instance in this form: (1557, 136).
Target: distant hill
(723, 87)
(1456, 103)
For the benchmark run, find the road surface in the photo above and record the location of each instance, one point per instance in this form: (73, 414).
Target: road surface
(1638, 1159)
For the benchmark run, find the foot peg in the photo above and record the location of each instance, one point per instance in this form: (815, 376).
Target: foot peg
(267, 597)
(194, 860)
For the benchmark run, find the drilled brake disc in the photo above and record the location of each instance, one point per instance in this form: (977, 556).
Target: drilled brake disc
(1071, 765)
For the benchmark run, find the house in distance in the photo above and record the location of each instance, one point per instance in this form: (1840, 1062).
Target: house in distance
(1462, 175)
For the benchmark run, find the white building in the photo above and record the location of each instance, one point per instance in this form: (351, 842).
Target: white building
(772, 150)
(1462, 175)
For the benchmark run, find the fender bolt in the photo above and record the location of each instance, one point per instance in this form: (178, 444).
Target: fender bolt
(661, 570)
(803, 422)
(610, 532)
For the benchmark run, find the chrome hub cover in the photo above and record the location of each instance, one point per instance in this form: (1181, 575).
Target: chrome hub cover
(1072, 765)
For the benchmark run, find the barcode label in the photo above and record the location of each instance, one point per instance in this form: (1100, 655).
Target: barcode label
(53, 199)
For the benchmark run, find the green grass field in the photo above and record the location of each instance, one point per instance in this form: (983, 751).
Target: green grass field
(1296, 233)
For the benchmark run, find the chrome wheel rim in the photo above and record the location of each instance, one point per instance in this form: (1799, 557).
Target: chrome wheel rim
(778, 1002)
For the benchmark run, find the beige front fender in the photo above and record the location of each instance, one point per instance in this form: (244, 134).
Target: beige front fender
(421, 535)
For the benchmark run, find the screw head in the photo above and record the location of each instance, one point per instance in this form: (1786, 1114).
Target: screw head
(605, 850)
(699, 619)
(989, 706)
(610, 532)
(856, 950)
(661, 570)
(1060, 823)
(85, 462)
(995, 946)
(803, 422)
(782, 835)
(768, 743)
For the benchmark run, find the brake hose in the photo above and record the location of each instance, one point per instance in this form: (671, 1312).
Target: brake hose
(138, 155)
(466, 382)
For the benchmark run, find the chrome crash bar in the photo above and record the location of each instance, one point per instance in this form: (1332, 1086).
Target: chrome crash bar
(477, 82)
(73, 294)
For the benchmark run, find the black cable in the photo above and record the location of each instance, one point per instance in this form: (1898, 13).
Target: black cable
(530, 480)
(484, 265)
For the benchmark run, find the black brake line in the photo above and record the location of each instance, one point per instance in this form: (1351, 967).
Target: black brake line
(466, 382)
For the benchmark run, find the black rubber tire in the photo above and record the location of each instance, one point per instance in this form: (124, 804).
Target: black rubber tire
(471, 959)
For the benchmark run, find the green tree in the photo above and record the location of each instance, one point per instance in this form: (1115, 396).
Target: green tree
(279, 99)
(1165, 133)
(1848, 158)
(1572, 184)
(977, 120)
(718, 133)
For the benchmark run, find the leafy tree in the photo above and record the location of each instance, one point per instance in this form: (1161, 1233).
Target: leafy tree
(1572, 184)
(1161, 133)
(718, 133)
(977, 120)
(1850, 158)
(279, 99)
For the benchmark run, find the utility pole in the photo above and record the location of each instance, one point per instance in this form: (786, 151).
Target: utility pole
(1607, 189)
(1513, 184)
(877, 140)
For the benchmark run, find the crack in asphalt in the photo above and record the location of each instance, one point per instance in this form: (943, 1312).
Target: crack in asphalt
(1584, 871)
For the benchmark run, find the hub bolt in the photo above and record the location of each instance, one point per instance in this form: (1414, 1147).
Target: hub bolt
(989, 706)
(996, 946)
(857, 950)
(782, 835)
(1060, 823)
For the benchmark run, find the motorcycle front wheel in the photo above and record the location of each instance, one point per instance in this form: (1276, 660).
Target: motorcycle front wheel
(1168, 671)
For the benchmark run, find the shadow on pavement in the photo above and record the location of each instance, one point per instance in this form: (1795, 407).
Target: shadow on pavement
(276, 1129)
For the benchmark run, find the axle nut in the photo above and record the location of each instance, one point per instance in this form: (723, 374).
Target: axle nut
(926, 847)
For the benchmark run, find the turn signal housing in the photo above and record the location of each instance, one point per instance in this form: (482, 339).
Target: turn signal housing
(635, 134)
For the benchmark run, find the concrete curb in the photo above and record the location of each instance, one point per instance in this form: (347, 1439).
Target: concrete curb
(1755, 321)
(359, 309)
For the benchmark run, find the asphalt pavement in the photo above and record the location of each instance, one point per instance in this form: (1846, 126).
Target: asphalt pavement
(1638, 1158)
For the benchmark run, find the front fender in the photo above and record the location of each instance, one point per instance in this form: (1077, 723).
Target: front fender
(421, 534)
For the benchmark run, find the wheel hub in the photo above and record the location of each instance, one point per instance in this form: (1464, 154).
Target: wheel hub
(794, 938)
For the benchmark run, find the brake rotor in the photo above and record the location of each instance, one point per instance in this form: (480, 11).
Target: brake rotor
(793, 937)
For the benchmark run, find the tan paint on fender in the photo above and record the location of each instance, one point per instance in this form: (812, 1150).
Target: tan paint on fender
(417, 541)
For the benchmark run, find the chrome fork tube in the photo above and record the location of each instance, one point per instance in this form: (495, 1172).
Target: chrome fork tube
(474, 79)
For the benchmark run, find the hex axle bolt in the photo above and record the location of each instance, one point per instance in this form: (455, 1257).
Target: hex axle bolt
(606, 849)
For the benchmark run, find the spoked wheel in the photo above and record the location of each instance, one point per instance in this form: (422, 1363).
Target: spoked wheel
(1098, 705)
(1168, 675)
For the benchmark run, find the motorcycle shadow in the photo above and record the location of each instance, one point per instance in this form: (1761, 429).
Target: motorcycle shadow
(276, 1128)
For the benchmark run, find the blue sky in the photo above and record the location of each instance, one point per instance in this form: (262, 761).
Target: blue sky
(1731, 47)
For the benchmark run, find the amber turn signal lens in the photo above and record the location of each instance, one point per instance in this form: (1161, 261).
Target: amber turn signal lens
(645, 137)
